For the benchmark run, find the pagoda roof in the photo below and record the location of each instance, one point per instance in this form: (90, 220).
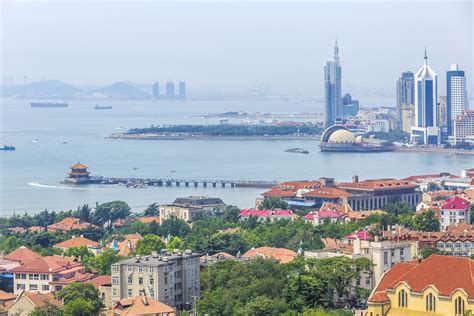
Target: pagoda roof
(79, 166)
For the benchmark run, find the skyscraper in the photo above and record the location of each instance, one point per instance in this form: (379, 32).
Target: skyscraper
(182, 90)
(332, 88)
(170, 90)
(426, 96)
(156, 90)
(405, 91)
(456, 94)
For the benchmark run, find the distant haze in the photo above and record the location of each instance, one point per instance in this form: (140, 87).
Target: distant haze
(273, 47)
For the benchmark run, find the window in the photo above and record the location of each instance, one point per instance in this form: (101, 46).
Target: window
(152, 294)
(459, 306)
(102, 295)
(402, 252)
(166, 280)
(130, 268)
(140, 269)
(115, 280)
(114, 292)
(151, 270)
(140, 281)
(115, 268)
(20, 286)
(402, 298)
(44, 277)
(45, 288)
(151, 281)
(430, 303)
(130, 292)
(385, 258)
(33, 276)
(392, 252)
(130, 280)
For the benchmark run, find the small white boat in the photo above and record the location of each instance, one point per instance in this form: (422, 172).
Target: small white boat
(35, 140)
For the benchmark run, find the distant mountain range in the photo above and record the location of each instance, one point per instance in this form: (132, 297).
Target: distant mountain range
(55, 89)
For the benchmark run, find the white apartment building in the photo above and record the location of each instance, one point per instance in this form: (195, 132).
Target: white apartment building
(463, 127)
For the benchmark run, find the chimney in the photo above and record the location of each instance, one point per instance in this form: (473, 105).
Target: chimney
(355, 178)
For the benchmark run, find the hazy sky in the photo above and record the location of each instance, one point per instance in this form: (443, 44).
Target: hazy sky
(231, 46)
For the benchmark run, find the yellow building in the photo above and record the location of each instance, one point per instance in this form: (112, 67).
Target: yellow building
(439, 285)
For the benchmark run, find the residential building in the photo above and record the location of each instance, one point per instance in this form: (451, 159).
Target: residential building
(103, 283)
(141, 306)
(331, 213)
(455, 210)
(48, 274)
(426, 128)
(463, 127)
(171, 278)
(184, 212)
(26, 302)
(76, 242)
(182, 90)
(407, 117)
(263, 215)
(6, 300)
(405, 92)
(281, 255)
(22, 255)
(379, 126)
(382, 253)
(204, 202)
(438, 285)
(456, 99)
(156, 90)
(126, 246)
(170, 90)
(332, 89)
(68, 224)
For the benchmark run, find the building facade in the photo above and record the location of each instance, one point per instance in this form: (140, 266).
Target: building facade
(463, 127)
(456, 98)
(170, 90)
(442, 117)
(171, 278)
(332, 89)
(405, 91)
(454, 210)
(184, 212)
(426, 129)
(408, 117)
(182, 90)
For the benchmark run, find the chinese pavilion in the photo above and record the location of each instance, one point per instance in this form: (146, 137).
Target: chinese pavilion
(78, 174)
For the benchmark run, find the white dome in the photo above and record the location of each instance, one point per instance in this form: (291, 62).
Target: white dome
(342, 136)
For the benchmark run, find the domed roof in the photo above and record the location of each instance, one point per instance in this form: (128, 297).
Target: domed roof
(342, 136)
(359, 139)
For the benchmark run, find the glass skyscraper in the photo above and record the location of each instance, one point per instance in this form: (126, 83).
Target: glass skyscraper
(405, 91)
(456, 101)
(332, 89)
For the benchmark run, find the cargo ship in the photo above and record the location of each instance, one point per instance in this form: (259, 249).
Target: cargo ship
(103, 107)
(49, 104)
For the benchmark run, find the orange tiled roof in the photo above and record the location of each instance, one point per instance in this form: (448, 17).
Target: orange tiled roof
(445, 273)
(39, 299)
(22, 255)
(149, 219)
(36, 229)
(49, 264)
(428, 176)
(281, 254)
(76, 242)
(459, 228)
(344, 208)
(18, 230)
(279, 193)
(100, 280)
(128, 244)
(299, 185)
(70, 223)
(327, 192)
(79, 166)
(4, 296)
(142, 305)
(360, 215)
(378, 184)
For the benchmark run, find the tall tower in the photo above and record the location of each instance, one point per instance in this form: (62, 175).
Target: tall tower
(456, 98)
(332, 88)
(156, 90)
(426, 128)
(170, 90)
(182, 90)
(405, 91)
(426, 96)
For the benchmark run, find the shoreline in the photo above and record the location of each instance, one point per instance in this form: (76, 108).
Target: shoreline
(211, 137)
(449, 151)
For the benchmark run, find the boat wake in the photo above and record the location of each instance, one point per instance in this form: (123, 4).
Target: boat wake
(39, 185)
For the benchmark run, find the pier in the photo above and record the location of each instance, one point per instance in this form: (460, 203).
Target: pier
(172, 182)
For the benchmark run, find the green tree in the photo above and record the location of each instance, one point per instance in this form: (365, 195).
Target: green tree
(103, 261)
(80, 307)
(148, 244)
(10, 243)
(47, 309)
(428, 251)
(231, 214)
(81, 252)
(77, 294)
(272, 203)
(152, 210)
(108, 212)
(174, 227)
(263, 306)
(175, 243)
(84, 213)
(426, 222)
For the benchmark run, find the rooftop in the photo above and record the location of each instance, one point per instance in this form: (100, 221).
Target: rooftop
(266, 213)
(48, 264)
(383, 184)
(283, 255)
(22, 255)
(77, 242)
(455, 203)
(159, 259)
(141, 305)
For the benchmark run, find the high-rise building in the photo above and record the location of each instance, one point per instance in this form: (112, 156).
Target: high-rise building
(170, 90)
(426, 128)
(156, 90)
(182, 90)
(408, 117)
(463, 127)
(405, 91)
(442, 117)
(332, 88)
(456, 94)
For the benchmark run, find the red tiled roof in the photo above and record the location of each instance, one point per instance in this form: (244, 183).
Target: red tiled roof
(22, 255)
(100, 280)
(394, 275)
(428, 176)
(378, 184)
(70, 223)
(49, 264)
(266, 213)
(327, 192)
(4, 296)
(279, 193)
(360, 234)
(77, 242)
(149, 219)
(298, 185)
(445, 273)
(455, 203)
(141, 305)
(330, 214)
(39, 299)
(281, 254)
(459, 228)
